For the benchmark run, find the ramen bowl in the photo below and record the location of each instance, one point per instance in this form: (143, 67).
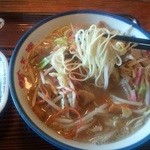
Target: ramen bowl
(37, 33)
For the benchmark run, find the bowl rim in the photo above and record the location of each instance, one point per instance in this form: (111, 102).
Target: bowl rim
(18, 106)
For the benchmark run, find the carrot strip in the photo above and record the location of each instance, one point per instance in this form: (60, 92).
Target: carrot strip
(72, 132)
(40, 102)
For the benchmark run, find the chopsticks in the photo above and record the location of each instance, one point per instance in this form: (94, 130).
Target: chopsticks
(143, 44)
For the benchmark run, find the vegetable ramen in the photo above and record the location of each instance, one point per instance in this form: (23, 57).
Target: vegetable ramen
(81, 83)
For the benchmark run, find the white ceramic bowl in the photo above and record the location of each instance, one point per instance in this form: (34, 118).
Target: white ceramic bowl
(3, 81)
(37, 33)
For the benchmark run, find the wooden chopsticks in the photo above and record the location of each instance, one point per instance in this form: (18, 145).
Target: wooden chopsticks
(143, 44)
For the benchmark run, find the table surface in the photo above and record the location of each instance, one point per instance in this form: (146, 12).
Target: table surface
(20, 16)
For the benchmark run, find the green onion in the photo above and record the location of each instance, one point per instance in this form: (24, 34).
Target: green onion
(142, 89)
(43, 63)
(61, 41)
